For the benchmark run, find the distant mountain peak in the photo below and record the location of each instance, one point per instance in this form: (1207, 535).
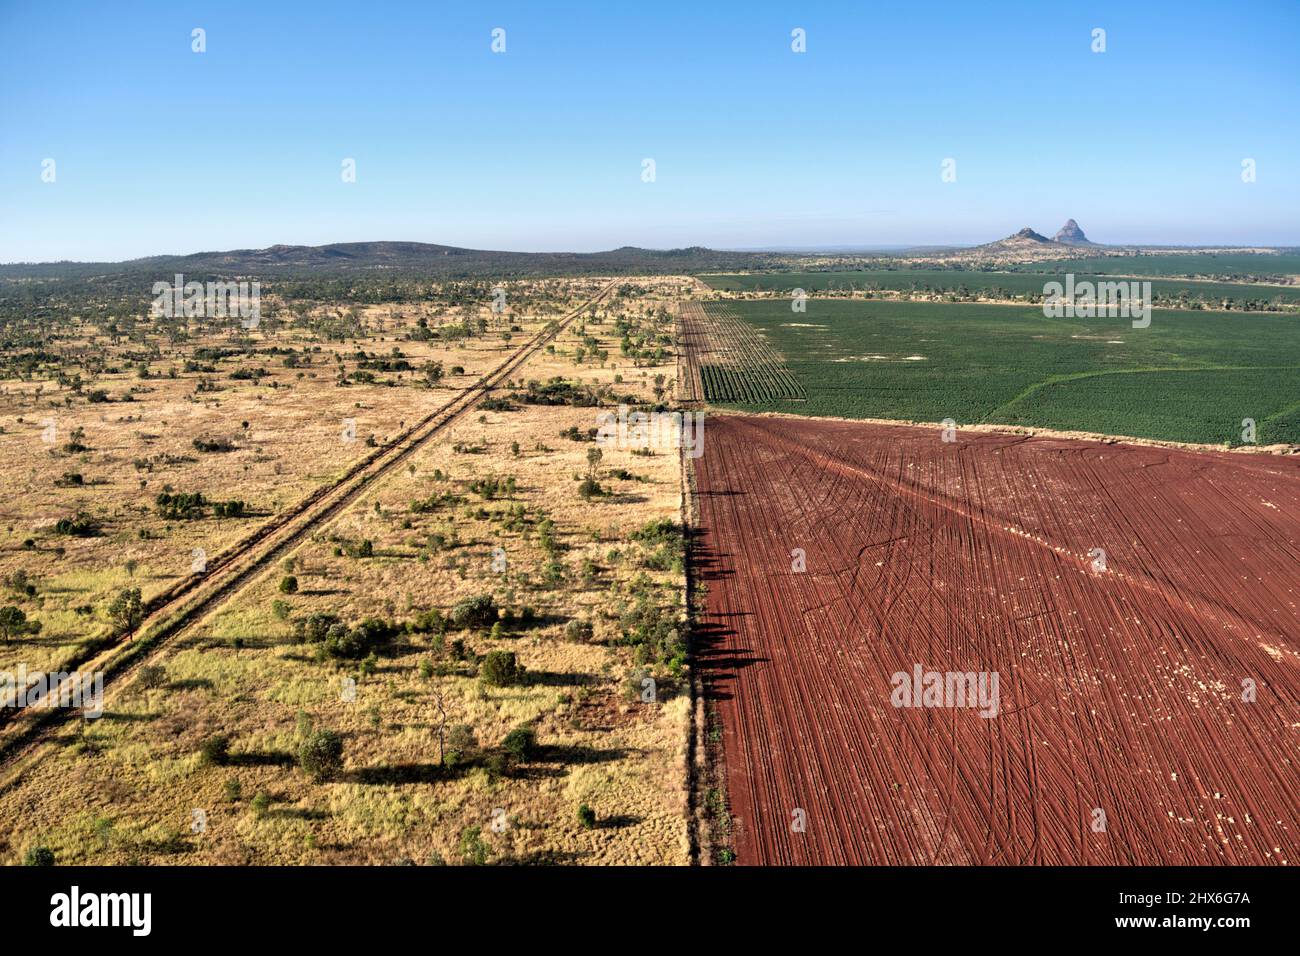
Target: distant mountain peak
(1072, 235)
(1028, 233)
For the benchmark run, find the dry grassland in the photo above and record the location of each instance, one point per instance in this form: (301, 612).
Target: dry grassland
(125, 788)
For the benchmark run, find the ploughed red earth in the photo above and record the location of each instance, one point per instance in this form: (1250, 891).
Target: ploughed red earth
(959, 675)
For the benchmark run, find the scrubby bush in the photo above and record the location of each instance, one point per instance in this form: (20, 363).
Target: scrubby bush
(664, 544)
(460, 743)
(578, 630)
(229, 509)
(314, 627)
(152, 676)
(520, 743)
(210, 445)
(80, 525)
(501, 669)
(321, 755)
(429, 622)
(39, 856)
(473, 850)
(478, 611)
(184, 506)
(288, 584)
(355, 643)
(587, 817)
(655, 632)
(215, 751)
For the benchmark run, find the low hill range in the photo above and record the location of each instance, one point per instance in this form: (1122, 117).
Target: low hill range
(405, 259)
(434, 261)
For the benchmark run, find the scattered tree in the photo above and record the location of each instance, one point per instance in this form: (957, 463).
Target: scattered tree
(321, 755)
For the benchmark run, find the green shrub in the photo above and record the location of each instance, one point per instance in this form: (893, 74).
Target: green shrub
(461, 742)
(314, 627)
(210, 445)
(39, 856)
(655, 632)
(215, 751)
(184, 506)
(80, 525)
(520, 743)
(587, 817)
(288, 584)
(501, 669)
(578, 630)
(477, 611)
(321, 755)
(358, 642)
(152, 676)
(497, 765)
(473, 850)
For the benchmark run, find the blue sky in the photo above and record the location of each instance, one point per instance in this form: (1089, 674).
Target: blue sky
(162, 150)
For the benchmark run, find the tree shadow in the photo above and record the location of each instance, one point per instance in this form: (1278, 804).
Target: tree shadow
(543, 858)
(169, 846)
(617, 822)
(391, 774)
(561, 678)
(577, 754)
(716, 659)
(119, 716)
(625, 498)
(260, 758)
(191, 683)
(298, 813)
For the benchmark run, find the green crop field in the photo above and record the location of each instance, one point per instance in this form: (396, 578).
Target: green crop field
(1001, 285)
(1228, 265)
(1190, 376)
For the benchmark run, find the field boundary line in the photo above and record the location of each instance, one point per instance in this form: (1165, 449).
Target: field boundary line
(1281, 450)
(1146, 370)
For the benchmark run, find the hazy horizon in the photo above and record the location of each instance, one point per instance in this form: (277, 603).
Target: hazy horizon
(830, 248)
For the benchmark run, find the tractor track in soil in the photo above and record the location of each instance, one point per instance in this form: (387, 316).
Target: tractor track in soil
(1120, 690)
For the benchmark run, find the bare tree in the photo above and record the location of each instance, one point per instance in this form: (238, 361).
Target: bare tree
(440, 706)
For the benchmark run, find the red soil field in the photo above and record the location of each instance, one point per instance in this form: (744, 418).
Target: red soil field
(1120, 691)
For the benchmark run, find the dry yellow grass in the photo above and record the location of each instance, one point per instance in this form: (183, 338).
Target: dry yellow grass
(124, 788)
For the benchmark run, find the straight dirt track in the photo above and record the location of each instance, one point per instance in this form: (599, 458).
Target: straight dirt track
(1120, 691)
